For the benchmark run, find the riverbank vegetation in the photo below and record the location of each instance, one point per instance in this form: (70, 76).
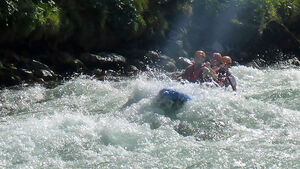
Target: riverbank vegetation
(108, 24)
(243, 29)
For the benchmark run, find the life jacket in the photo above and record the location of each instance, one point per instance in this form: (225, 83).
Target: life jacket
(193, 75)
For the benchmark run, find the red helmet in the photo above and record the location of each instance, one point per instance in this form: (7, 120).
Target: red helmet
(226, 59)
(217, 56)
(200, 53)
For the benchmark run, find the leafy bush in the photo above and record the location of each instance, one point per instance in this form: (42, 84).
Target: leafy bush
(19, 18)
(99, 21)
(47, 15)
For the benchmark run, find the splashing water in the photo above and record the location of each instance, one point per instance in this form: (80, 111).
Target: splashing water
(86, 123)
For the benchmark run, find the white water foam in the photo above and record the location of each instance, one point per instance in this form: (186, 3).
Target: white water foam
(86, 123)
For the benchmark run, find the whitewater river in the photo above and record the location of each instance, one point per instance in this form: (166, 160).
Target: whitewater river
(86, 123)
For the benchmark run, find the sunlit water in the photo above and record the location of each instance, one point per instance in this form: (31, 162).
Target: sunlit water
(86, 123)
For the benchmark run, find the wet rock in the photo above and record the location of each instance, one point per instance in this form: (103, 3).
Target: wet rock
(151, 57)
(39, 65)
(235, 63)
(257, 63)
(141, 65)
(88, 59)
(170, 67)
(46, 75)
(42, 71)
(64, 62)
(132, 70)
(9, 77)
(183, 63)
(110, 75)
(113, 61)
(295, 61)
(292, 62)
(156, 60)
(135, 57)
(167, 63)
(12, 58)
(105, 61)
(27, 75)
(79, 66)
(99, 74)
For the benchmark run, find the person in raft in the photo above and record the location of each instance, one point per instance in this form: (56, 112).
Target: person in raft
(198, 72)
(225, 78)
(214, 65)
(216, 62)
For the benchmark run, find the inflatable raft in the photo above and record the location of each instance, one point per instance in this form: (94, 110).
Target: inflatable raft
(171, 100)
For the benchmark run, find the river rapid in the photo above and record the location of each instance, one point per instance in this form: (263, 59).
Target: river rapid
(86, 123)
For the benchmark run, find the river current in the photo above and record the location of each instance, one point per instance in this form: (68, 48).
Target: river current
(86, 123)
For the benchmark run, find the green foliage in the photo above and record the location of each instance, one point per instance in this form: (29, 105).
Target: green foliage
(266, 10)
(88, 17)
(248, 12)
(125, 15)
(16, 16)
(21, 17)
(47, 15)
(237, 23)
(141, 5)
(132, 19)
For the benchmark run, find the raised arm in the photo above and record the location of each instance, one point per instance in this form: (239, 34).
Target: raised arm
(208, 71)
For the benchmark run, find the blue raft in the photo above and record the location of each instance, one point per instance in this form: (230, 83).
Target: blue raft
(170, 101)
(173, 95)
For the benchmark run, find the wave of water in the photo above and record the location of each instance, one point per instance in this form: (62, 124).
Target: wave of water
(85, 123)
